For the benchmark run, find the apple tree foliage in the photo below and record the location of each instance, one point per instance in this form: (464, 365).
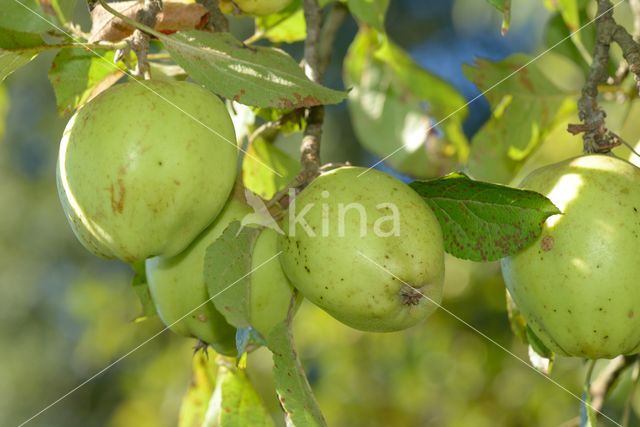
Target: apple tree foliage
(400, 112)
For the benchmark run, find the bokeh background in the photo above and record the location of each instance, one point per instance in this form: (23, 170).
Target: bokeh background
(65, 315)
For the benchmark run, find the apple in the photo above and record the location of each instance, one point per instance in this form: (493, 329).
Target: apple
(271, 292)
(144, 167)
(577, 284)
(179, 291)
(254, 7)
(366, 248)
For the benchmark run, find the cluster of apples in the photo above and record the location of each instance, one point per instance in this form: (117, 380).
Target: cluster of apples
(146, 172)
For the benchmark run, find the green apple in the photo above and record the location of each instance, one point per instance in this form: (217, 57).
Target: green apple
(145, 167)
(254, 7)
(179, 291)
(366, 248)
(271, 292)
(577, 284)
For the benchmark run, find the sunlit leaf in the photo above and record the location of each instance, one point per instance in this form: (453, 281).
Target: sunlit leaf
(370, 12)
(482, 221)
(260, 76)
(25, 16)
(227, 267)
(64, 9)
(292, 386)
(395, 106)
(570, 11)
(287, 26)
(78, 75)
(141, 288)
(516, 319)
(17, 49)
(503, 6)
(540, 356)
(526, 106)
(262, 180)
(235, 402)
(196, 400)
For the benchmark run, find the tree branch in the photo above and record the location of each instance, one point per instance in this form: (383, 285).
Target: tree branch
(317, 54)
(217, 20)
(140, 40)
(328, 34)
(310, 147)
(597, 138)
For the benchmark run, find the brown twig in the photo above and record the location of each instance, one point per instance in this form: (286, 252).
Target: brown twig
(217, 21)
(317, 55)
(597, 138)
(310, 147)
(140, 40)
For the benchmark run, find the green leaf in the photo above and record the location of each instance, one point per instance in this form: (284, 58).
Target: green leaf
(395, 105)
(196, 400)
(540, 356)
(227, 267)
(262, 180)
(235, 402)
(516, 319)
(77, 76)
(503, 6)
(482, 221)
(260, 76)
(571, 11)
(17, 49)
(25, 16)
(141, 288)
(526, 107)
(292, 386)
(64, 9)
(287, 26)
(370, 12)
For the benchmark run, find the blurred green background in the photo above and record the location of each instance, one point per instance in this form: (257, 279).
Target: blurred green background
(65, 315)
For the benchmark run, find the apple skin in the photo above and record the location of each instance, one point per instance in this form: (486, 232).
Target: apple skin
(254, 7)
(138, 177)
(577, 285)
(177, 286)
(332, 269)
(271, 291)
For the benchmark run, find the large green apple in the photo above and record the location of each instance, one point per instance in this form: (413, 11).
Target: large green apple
(365, 248)
(254, 7)
(577, 285)
(271, 292)
(179, 291)
(145, 167)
